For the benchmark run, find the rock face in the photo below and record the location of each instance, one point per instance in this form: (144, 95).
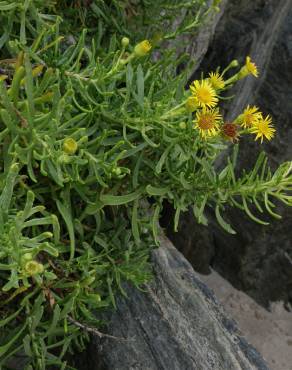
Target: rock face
(174, 323)
(269, 331)
(258, 260)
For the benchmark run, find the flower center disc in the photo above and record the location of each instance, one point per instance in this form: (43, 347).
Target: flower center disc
(206, 122)
(204, 95)
(249, 119)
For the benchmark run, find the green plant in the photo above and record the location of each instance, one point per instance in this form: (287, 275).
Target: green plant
(89, 133)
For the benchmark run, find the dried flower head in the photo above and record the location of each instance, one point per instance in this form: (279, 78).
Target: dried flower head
(230, 131)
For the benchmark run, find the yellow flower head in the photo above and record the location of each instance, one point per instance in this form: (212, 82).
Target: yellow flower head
(249, 116)
(33, 268)
(207, 122)
(248, 69)
(216, 80)
(251, 67)
(263, 128)
(142, 48)
(204, 93)
(70, 146)
(191, 104)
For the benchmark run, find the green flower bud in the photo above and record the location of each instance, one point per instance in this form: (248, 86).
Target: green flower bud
(117, 171)
(64, 158)
(182, 125)
(70, 146)
(142, 48)
(125, 41)
(26, 257)
(191, 104)
(234, 64)
(95, 297)
(33, 268)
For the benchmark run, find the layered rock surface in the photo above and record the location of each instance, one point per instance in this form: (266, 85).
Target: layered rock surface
(173, 323)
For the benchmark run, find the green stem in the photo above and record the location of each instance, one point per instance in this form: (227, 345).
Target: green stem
(174, 111)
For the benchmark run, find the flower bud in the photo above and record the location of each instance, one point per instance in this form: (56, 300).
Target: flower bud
(142, 48)
(234, 64)
(95, 297)
(33, 268)
(117, 171)
(70, 146)
(64, 158)
(125, 41)
(182, 125)
(191, 104)
(26, 257)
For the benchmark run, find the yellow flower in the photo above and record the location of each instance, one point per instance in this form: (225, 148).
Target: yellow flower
(191, 104)
(249, 116)
(204, 93)
(263, 128)
(207, 122)
(248, 68)
(251, 67)
(142, 48)
(216, 80)
(33, 268)
(70, 146)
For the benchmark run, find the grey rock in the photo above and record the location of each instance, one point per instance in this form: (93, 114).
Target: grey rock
(174, 323)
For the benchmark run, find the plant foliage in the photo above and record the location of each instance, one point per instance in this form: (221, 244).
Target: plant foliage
(89, 132)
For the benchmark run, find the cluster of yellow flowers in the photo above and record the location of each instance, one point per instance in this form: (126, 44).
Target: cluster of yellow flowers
(253, 120)
(203, 103)
(208, 120)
